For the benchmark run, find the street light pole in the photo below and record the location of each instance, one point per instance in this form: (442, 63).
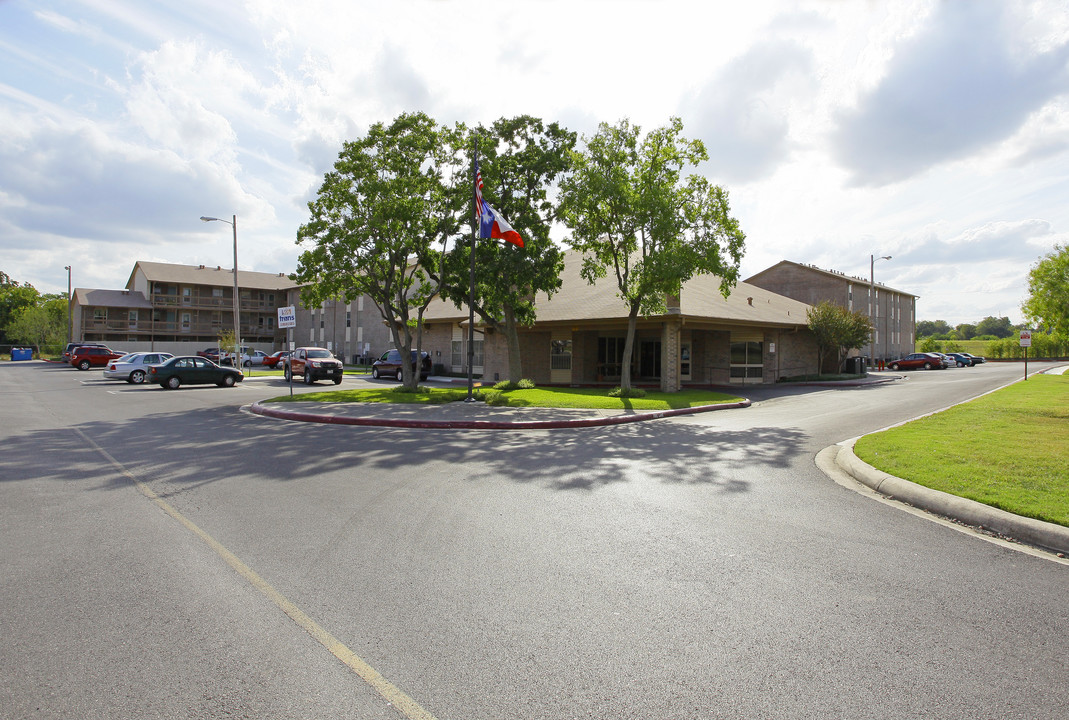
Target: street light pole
(237, 312)
(69, 300)
(874, 311)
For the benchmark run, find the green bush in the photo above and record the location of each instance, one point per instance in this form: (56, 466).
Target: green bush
(523, 384)
(495, 397)
(632, 393)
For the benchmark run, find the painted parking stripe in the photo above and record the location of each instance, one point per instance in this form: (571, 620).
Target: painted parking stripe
(389, 692)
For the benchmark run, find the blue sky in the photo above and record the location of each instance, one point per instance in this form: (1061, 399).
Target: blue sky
(934, 132)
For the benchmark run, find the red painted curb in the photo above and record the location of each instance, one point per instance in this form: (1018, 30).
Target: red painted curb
(259, 409)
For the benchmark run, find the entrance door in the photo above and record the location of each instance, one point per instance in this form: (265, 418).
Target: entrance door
(649, 359)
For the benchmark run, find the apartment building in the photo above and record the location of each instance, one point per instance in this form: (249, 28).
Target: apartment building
(181, 308)
(893, 312)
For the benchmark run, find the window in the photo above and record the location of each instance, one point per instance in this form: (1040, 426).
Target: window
(217, 292)
(348, 318)
(610, 357)
(560, 355)
(457, 358)
(100, 314)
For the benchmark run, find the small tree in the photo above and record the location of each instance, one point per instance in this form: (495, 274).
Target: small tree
(837, 330)
(228, 343)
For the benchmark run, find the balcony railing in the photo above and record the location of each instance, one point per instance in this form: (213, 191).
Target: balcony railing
(172, 328)
(212, 303)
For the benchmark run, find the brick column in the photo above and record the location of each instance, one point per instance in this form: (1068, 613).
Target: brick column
(670, 340)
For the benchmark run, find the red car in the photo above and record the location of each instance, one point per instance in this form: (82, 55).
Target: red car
(84, 358)
(915, 361)
(275, 358)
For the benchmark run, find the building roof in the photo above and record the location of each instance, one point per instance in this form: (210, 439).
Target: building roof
(207, 275)
(92, 297)
(829, 273)
(700, 299)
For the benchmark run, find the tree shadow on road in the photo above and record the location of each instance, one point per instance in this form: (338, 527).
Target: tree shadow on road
(180, 451)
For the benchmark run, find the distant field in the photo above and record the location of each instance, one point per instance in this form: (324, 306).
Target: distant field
(973, 347)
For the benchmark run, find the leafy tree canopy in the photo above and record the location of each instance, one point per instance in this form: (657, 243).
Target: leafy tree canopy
(379, 215)
(837, 330)
(633, 212)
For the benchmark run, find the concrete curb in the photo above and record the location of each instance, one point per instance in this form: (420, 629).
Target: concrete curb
(1034, 532)
(260, 409)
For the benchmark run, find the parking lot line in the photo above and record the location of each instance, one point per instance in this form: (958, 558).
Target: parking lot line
(389, 692)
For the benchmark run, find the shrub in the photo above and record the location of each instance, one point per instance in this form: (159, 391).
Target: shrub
(495, 397)
(507, 385)
(632, 393)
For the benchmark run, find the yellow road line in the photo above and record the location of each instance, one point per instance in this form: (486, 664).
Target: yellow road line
(390, 692)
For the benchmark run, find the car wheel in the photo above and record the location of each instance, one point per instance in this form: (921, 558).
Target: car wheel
(173, 382)
(83, 365)
(400, 375)
(337, 381)
(228, 381)
(137, 377)
(286, 373)
(894, 366)
(248, 363)
(927, 366)
(375, 373)
(308, 379)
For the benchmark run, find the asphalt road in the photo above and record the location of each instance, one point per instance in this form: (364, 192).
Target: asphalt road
(165, 555)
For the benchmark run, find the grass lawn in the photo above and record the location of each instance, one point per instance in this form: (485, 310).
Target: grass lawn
(1008, 449)
(589, 398)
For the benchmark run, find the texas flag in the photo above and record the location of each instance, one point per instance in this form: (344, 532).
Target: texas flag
(491, 223)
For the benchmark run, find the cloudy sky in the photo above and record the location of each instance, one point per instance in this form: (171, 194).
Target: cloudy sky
(933, 132)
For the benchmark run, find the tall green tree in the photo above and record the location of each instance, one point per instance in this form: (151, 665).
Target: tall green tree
(634, 213)
(377, 220)
(1048, 292)
(999, 327)
(40, 325)
(520, 158)
(14, 296)
(926, 328)
(837, 330)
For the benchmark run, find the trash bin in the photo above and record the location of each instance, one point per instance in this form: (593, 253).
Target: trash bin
(22, 353)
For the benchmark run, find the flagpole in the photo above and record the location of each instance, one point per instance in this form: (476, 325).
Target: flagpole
(471, 286)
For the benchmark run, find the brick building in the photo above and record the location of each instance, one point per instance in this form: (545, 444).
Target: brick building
(893, 312)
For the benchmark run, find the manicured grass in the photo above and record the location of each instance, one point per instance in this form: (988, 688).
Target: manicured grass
(587, 398)
(1009, 449)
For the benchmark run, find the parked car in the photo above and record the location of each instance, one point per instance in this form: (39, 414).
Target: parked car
(275, 358)
(256, 357)
(389, 365)
(313, 363)
(71, 347)
(976, 359)
(89, 356)
(914, 361)
(961, 359)
(133, 367)
(211, 353)
(192, 370)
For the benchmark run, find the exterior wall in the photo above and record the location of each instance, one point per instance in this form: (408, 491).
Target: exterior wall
(893, 313)
(796, 354)
(534, 351)
(346, 329)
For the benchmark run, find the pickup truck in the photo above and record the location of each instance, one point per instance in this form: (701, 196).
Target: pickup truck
(313, 363)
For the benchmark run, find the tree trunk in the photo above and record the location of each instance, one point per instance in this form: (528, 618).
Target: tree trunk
(512, 337)
(629, 346)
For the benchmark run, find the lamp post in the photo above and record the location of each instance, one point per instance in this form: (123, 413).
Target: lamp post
(875, 308)
(237, 315)
(69, 300)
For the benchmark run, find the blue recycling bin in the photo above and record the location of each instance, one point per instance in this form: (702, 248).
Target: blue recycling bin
(22, 353)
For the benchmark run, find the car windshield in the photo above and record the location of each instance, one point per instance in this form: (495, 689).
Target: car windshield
(319, 353)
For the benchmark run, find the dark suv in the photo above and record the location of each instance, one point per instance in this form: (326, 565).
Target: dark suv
(389, 365)
(88, 356)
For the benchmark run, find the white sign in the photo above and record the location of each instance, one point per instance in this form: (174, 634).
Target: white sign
(287, 317)
(1026, 338)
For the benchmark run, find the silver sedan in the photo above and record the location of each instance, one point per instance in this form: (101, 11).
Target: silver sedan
(133, 367)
